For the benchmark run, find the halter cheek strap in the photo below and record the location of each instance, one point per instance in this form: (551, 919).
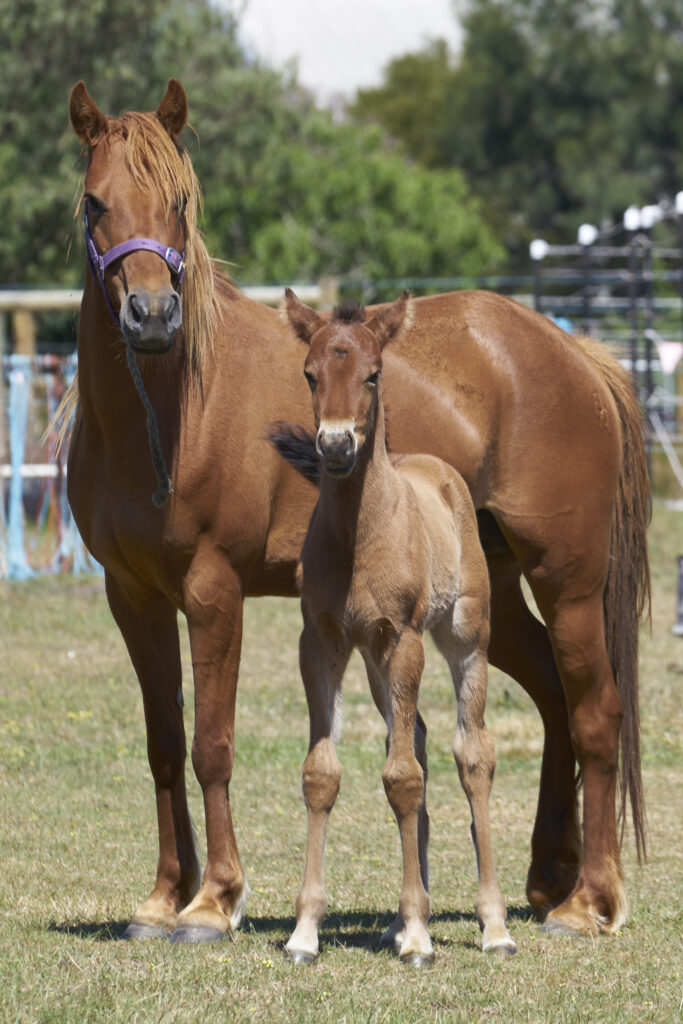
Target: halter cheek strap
(98, 263)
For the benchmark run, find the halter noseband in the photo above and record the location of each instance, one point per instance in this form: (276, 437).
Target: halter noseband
(98, 264)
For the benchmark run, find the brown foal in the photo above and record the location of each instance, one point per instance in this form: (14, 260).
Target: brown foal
(392, 549)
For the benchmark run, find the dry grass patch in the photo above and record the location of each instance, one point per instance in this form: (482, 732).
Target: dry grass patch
(78, 840)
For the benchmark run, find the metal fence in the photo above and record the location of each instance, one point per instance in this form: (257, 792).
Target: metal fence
(623, 295)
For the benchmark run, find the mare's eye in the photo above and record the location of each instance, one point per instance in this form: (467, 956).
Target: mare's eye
(310, 380)
(94, 205)
(181, 206)
(372, 379)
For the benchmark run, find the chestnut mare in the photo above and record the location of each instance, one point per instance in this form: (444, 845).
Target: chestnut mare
(392, 549)
(543, 428)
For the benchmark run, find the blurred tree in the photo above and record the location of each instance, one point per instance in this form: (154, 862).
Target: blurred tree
(557, 111)
(288, 192)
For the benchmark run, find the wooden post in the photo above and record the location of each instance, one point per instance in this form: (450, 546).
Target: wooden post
(24, 325)
(329, 292)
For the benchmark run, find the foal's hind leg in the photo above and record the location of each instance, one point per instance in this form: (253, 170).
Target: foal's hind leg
(150, 630)
(395, 933)
(520, 647)
(322, 668)
(475, 756)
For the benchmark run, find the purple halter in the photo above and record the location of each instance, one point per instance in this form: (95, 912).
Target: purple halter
(98, 263)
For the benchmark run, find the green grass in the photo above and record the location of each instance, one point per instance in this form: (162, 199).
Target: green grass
(78, 840)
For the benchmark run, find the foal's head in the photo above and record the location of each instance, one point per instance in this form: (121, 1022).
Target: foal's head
(343, 369)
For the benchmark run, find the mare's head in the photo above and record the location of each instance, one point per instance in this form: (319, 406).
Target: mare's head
(343, 370)
(140, 202)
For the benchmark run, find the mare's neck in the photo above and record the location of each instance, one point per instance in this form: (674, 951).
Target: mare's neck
(107, 392)
(357, 506)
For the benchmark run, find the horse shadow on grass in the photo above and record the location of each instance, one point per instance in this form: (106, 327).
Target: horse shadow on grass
(353, 930)
(101, 931)
(356, 930)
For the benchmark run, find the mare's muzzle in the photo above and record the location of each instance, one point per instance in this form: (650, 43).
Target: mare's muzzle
(149, 322)
(337, 447)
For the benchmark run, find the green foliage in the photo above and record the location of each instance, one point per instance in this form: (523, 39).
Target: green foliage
(289, 193)
(557, 111)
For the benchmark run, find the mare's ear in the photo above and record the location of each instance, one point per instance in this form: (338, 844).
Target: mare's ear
(87, 119)
(172, 111)
(392, 321)
(303, 320)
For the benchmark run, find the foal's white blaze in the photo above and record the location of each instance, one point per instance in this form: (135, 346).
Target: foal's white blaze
(333, 430)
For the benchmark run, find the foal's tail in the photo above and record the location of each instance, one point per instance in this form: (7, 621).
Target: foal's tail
(627, 591)
(297, 447)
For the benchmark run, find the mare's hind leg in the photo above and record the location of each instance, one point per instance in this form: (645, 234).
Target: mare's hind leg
(395, 933)
(520, 647)
(149, 626)
(322, 664)
(598, 901)
(404, 785)
(475, 756)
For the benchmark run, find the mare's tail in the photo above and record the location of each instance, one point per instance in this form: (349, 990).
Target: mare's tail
(297, 447)
(627, 590)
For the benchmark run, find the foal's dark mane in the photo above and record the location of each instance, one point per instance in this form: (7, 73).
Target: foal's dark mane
(349, 312)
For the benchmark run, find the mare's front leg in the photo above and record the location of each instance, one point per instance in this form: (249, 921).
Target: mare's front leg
(393, 937)
(404, 785)
(213, 605)
(148, 622)
(322, 663)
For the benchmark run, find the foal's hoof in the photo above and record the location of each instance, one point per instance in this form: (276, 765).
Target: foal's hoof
(196, 933)
(300, 956)
(418, 959)
(136, 931)
(503, 951)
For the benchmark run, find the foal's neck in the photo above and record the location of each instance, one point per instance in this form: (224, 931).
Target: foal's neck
(358, 505)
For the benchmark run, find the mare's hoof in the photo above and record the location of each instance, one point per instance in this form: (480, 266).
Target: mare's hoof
(553, 926)
(197, 933)
(136, 931)
(299, 956)
(418, 959)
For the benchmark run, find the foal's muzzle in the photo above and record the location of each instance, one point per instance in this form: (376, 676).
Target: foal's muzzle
(150, 321)
(337, 446)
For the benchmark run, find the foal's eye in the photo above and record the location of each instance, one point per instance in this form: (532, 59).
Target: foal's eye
(372, 379)
(310, 380)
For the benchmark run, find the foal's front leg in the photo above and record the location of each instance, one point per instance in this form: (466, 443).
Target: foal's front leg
(322, 667)
(404, 785)
(393, 937)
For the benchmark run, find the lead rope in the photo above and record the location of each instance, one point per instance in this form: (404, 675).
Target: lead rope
(160, 497)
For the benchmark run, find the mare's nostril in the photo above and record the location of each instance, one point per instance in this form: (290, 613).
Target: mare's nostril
(139, 308)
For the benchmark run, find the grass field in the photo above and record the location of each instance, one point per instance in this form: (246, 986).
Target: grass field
(78, 840)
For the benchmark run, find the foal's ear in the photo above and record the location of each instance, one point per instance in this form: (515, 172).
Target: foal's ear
(87, 119)
(393, 321)
(172, 111)
(303, 320)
